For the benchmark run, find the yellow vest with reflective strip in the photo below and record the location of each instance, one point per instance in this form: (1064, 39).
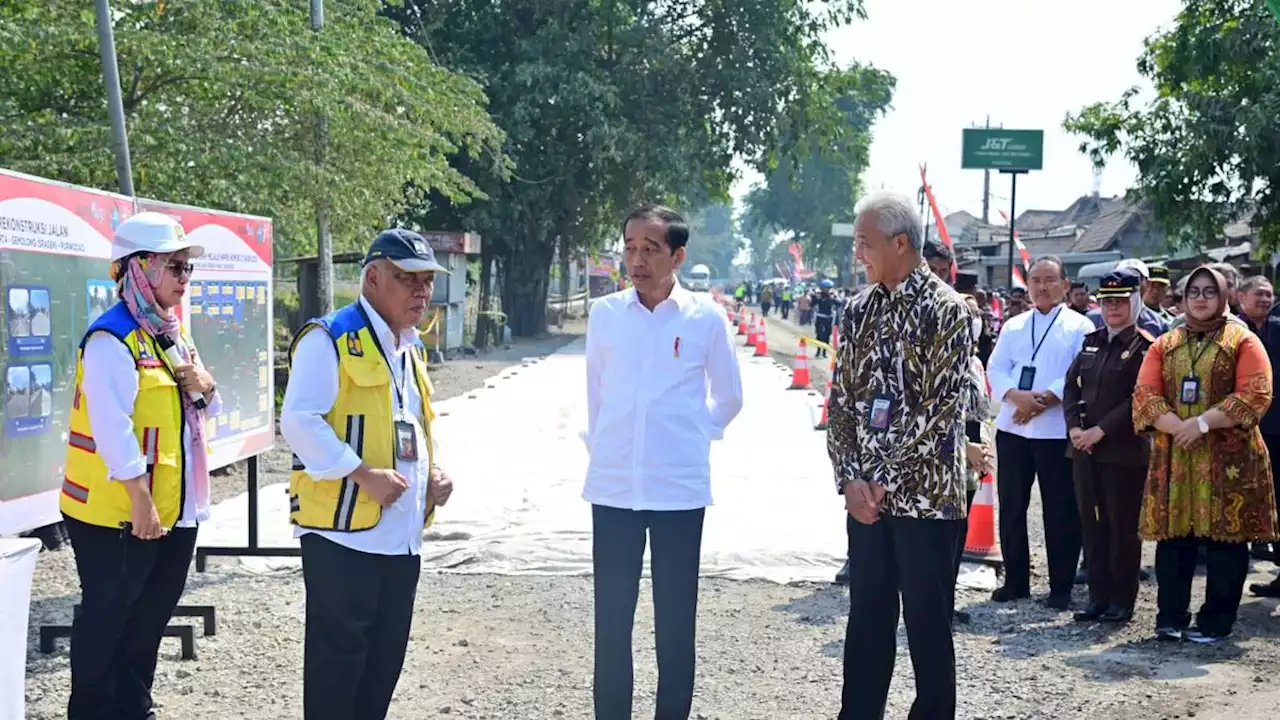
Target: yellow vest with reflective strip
(362, 417)
(88, 495)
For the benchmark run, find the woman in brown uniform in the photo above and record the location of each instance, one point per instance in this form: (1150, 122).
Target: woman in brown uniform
(1110, 459)
(1203, 386)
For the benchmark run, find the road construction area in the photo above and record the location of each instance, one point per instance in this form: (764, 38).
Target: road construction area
(503, 620)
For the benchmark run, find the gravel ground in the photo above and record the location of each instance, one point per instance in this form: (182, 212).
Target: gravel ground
(519, 648)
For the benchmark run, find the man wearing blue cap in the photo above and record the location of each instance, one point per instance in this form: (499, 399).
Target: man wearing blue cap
(357, 414)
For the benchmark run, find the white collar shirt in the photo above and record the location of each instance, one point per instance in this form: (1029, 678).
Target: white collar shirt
(311, 393)
(1059, 334)
(661, 386)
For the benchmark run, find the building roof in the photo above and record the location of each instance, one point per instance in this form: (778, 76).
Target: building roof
(1106, 228)
(1035, 220)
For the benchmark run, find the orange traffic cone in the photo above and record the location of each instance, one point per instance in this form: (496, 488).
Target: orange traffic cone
(835, 337)
(762, 345)
(826, 407)
(981, 545)
(752, 331)
(742, 322)
(800, 371)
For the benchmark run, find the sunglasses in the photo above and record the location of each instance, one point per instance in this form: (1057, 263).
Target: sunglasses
(179, 269)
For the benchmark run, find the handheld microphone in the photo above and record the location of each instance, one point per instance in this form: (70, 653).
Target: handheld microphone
(171, 351)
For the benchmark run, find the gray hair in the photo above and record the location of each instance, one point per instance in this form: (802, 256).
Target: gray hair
(895, 215)
(1253, 283)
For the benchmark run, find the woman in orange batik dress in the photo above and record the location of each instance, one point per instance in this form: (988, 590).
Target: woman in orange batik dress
(1202, 388)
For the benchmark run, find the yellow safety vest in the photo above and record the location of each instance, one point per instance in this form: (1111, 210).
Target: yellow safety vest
(88, 494)
(362, 416)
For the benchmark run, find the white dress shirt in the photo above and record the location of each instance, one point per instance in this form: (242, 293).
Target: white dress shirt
(311, 393)
(1062, 340)
(650, 417)
(110, 388)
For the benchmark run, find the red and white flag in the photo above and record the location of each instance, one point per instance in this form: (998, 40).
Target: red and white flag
(1019, 273)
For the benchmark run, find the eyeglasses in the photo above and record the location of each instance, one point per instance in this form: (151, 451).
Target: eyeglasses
(1208, 293)
(181, 269)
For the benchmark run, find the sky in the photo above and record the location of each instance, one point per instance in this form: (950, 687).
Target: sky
(1026, 63)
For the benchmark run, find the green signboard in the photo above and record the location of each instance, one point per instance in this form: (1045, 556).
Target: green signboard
(1000, 149)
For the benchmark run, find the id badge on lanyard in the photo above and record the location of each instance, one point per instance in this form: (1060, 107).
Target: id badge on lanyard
(406, 433)
(1027, 378)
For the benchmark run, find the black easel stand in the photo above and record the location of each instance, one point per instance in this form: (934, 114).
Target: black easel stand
(252, 549)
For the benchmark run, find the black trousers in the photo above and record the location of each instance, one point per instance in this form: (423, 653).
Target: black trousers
(128, 590)
(359, 611)
(617, 557)
(964, 534)
(1021, 462)
(915, 558)
(1227, 567)
(1110, 500)
(1273, 449)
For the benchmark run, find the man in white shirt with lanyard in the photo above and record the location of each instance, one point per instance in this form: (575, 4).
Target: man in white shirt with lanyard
(662, 383)
(357, 414)
(1027, 371)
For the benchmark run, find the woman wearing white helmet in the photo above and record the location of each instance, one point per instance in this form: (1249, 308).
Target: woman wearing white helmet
(137, 476)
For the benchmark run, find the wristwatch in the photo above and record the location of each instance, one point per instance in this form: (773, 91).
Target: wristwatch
(1204, 426)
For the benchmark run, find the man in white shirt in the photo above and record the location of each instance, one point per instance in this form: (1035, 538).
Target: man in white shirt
(662, 383)
(1027, 371)
(357, 414)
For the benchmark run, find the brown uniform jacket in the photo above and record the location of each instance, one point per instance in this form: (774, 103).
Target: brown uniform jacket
(1099, 391)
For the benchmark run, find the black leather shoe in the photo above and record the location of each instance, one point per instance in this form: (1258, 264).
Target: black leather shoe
(1058, 602)
(1116, 615)
(1082, 576)
(842, 577)
(1090, 613)
(1268, 590)
(1008, 594)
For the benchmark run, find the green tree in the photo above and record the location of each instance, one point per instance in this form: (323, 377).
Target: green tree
(713, 239)
(1207, 146)
(809, 191)
(609, 102)
(221, 97)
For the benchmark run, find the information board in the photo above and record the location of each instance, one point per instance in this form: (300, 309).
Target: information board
(55, 243)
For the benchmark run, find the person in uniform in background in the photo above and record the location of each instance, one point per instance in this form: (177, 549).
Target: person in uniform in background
(1078, 298)
(1110, 460)
(1148, 319)
(662, 384)
(357, 415)
(824, 312)
(137, 470)
(1028, 371)
(1157, 290)
(1203, 387)
(902, 382)
(784, 304)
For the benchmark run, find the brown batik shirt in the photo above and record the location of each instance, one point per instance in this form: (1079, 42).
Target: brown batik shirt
(902, 388)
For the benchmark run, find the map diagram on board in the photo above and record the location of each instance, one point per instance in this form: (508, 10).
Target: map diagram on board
(223, 316)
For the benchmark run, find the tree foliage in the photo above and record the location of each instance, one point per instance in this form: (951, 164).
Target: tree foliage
(610, 102)
(818, 186)
(221, 100)
(1207, 147)
(713, 239)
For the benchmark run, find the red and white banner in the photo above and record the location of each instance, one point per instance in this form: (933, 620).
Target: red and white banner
(938, 221)
(1019, 273)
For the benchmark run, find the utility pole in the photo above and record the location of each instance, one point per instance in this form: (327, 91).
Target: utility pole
(115, 104)
(986, 188)
(324, 240)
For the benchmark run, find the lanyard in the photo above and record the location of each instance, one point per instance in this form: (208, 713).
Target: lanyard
(1035, 346)
(1204, 345)
(401, 385)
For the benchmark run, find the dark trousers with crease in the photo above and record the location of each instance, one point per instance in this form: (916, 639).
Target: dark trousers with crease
(128, 590)
(1109, 496)
(1022, 462)
(913, 559)
(359, 612)
(964, 532)
(1227, 567)
(617, 558)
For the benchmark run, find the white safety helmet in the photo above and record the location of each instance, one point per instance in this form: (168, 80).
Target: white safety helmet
(151, 232)
(1135, 264)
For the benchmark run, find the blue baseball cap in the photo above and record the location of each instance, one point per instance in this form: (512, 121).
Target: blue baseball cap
(406, 250)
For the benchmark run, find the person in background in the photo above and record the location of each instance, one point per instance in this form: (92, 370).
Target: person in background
(1028, 370)
(1179, 302)
(824, 312)
(1268, 331)
(804, 306)
(1156, 292)
(900, 393)
(662, 384)
(940, 259)
(1148, 319)
(1078, 298)
(365, 483)
(136, 482)
(1016, 304)
(784, 304)
(978, 448)
(1203, 387)
(1257, 298)
(1110, 460)
(766, 299)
